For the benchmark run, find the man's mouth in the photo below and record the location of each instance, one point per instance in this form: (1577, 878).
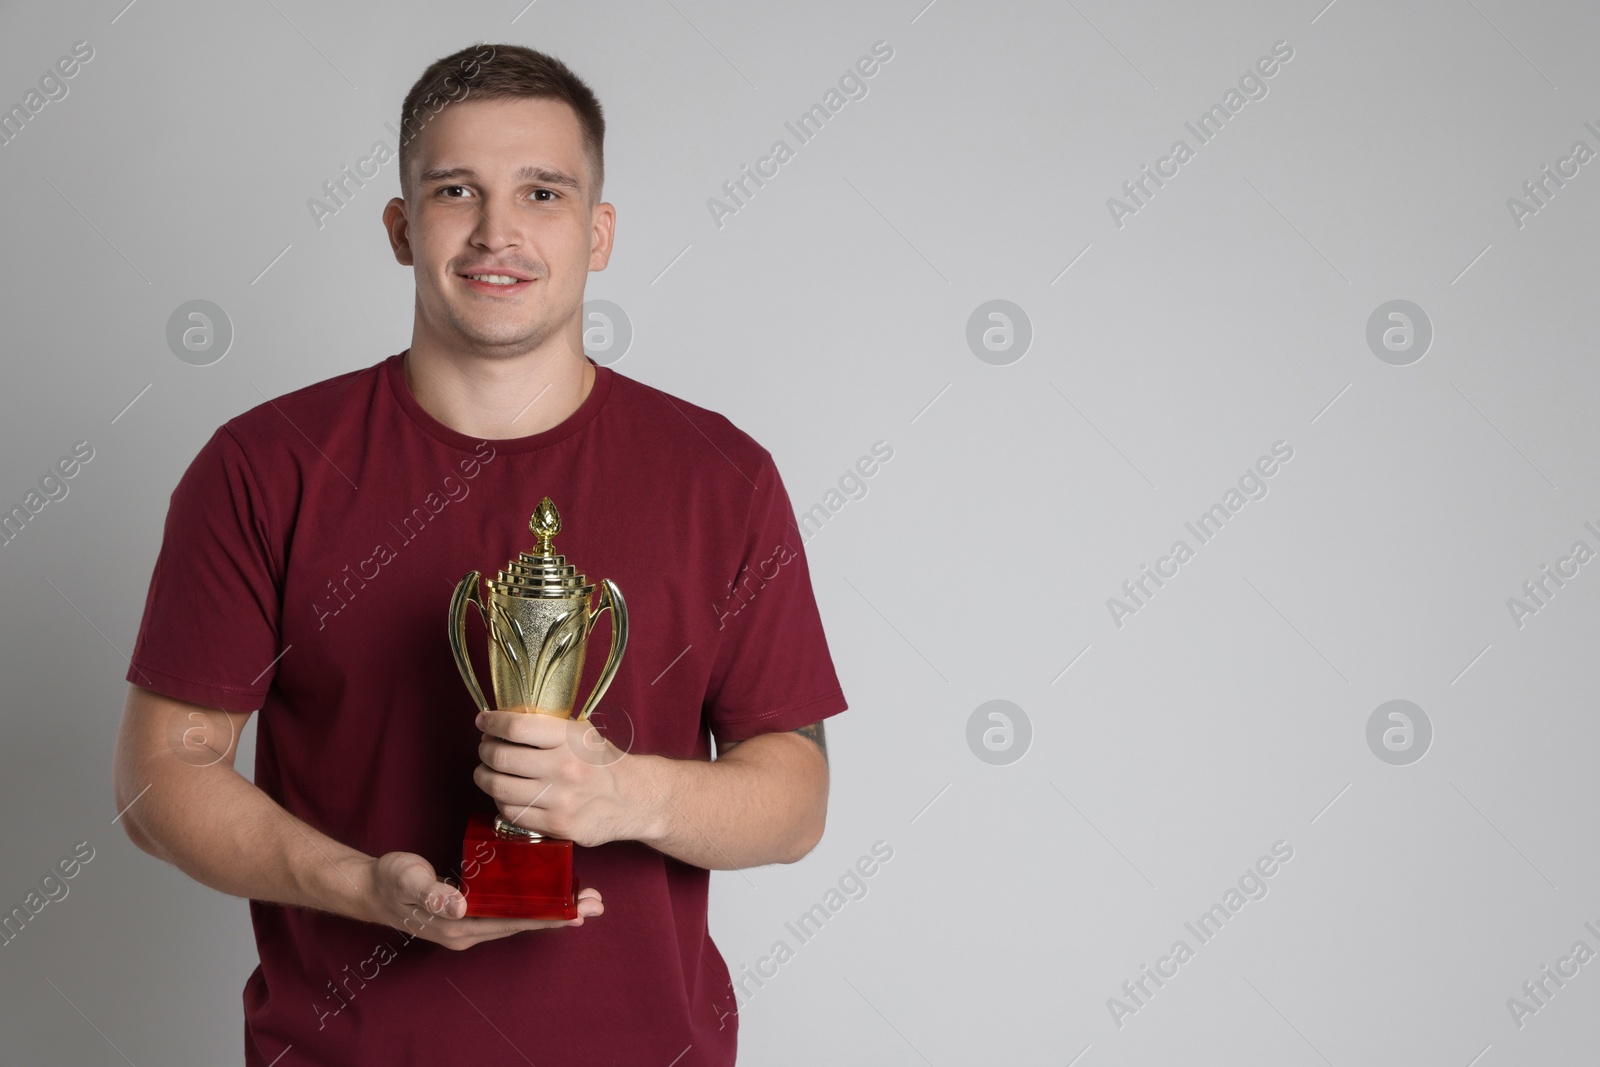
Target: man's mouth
(496, 283)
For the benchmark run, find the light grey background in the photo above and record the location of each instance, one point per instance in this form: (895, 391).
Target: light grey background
(1229, 313)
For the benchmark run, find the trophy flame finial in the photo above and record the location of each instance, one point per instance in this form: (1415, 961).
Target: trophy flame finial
(545, 524)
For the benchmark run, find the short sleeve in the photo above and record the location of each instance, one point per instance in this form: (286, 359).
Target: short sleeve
(210, 630)
(772, 671)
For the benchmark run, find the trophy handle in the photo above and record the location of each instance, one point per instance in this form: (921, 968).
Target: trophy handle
(466, 593)
(610, 598)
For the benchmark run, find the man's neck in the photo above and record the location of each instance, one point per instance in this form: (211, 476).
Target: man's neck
(499, 399)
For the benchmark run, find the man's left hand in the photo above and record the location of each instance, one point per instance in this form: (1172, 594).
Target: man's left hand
(560, 777)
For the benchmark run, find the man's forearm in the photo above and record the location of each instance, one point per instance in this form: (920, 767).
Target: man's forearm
(764, 801)
(223, 831)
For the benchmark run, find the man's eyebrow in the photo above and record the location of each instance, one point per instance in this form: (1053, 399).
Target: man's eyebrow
(547, 175)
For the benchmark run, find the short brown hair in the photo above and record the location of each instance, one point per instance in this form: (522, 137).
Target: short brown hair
(498, 71)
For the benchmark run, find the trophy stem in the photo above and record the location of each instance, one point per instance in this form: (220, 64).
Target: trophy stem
(513, 830)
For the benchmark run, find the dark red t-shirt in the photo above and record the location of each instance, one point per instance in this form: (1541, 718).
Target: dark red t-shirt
(308, 560)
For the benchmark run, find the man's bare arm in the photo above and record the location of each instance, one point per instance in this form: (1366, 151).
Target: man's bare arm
(814, 733)
(182, 801)
(186, 804)
(763, 800)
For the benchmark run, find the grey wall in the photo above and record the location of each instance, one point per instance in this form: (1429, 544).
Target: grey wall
(1146, 760)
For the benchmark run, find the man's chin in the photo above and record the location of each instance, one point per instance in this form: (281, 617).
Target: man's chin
(501, 344)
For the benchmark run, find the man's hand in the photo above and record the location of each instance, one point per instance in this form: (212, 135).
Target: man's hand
(402, 890)
(180, 799)
(762, 800)
(562, 777)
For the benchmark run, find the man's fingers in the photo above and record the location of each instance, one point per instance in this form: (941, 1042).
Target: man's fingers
(413, 876)
(417, 883)
(525, 728)
(412, 880)
(509, 788)
(477, 930)
(526, 802)
(446, 900)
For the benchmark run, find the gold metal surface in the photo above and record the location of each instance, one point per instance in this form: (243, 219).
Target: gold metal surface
(539, 618)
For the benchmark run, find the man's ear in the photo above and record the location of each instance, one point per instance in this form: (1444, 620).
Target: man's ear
(398, 227)
(602, 233)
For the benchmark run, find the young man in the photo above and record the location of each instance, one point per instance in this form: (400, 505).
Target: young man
(309, 555)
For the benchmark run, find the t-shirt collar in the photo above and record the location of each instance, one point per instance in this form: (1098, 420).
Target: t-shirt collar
(394, 371)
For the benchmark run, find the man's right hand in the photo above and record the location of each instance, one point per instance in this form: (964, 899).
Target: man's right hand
(179, 798)
(401, 890)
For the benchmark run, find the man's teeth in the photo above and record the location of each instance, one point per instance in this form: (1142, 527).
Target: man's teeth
(495, 279)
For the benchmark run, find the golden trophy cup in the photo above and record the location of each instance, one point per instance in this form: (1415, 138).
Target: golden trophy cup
(539, 619)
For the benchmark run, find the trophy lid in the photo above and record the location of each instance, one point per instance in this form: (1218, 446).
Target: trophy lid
(542, 574)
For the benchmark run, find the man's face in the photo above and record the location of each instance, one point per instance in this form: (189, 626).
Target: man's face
(502, 187)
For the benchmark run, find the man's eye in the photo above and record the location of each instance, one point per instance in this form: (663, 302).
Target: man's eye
(447, 188)
(552, 193)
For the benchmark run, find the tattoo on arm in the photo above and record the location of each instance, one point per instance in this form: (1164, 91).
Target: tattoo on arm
(814, 732)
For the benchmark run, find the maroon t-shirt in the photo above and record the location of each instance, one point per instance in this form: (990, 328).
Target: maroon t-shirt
(306, 570)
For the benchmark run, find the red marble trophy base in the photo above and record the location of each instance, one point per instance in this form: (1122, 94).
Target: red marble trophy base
(514, 878)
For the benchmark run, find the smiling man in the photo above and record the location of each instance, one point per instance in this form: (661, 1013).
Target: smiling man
(305, 572)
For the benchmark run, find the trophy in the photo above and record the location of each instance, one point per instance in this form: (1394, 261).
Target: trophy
(539, 618)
